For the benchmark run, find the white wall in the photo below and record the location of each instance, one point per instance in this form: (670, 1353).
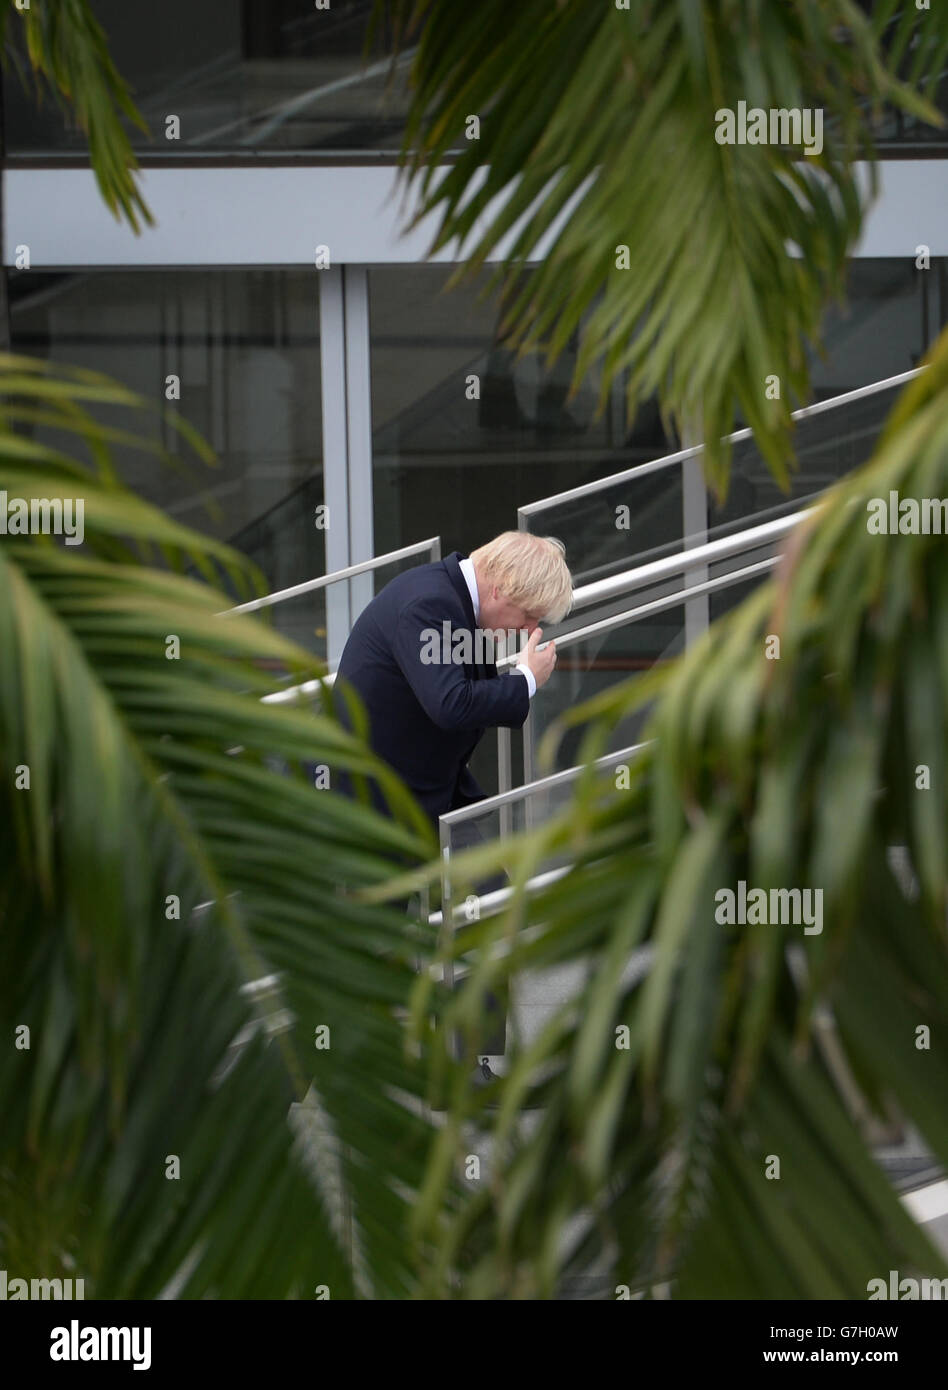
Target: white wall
(278, 216)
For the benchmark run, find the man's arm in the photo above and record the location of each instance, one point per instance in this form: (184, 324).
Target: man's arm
(450, 699)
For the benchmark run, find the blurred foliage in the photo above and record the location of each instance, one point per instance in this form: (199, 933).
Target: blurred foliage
(742, 1042)
(167, 854)
(597, 132)
(67, 54)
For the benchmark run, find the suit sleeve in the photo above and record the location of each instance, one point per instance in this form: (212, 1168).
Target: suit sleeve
(451, 699)
(468, 790)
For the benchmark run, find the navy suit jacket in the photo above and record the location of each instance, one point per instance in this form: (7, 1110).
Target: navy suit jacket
(426, 719)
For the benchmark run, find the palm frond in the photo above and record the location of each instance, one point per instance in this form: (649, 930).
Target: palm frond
(67, 49)
(664, 249)
(156, 868)
(693, 1053)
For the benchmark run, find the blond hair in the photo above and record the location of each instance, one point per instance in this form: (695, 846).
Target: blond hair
(528, 570)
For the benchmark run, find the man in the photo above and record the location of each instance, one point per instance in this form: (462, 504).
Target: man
(421, 657)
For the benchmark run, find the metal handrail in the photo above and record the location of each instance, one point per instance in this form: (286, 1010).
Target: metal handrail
(638, 577)
(489, 903)
(635, 614)
(502, 800)
(554, 779)
(654, 465)
(658, 605)
(297, 692)
(685, 560)
(682, 562)
(432, 544)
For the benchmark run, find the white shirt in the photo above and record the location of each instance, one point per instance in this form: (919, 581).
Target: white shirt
(470, 579)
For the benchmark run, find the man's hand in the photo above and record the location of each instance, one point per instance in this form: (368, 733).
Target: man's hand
(540, 663)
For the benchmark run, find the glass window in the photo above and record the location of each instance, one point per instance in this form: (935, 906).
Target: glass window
(893, 314)
(587, 667)
(897, 132)
(244, 347)
(463, 433)
(239, 74)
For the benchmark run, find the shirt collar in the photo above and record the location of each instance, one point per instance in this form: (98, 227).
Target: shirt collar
(470, 579)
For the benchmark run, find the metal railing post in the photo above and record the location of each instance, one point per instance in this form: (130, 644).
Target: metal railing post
(447, 916)
(504, 777)
(694, 516)
(529, 770)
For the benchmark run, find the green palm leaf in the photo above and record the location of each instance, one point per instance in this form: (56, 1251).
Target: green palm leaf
(154, 866)
(673, 1078)
(67, 51)
(598, 132)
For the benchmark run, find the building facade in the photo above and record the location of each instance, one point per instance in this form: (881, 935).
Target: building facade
(356, 407)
